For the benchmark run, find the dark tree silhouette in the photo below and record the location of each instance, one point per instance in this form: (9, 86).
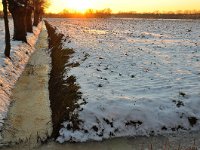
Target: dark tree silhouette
(7, 31)
(18, 10)
(39, 7)
(36, 12)
(29, 13)
(21, 11)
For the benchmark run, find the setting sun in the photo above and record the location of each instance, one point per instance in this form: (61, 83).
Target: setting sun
(79, 5)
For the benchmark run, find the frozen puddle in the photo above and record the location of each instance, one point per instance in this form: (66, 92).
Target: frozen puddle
(29, 118)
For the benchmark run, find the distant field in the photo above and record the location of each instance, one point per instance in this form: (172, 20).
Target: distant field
(136, 76)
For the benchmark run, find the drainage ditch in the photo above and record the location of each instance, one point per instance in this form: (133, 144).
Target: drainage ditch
(43, 97)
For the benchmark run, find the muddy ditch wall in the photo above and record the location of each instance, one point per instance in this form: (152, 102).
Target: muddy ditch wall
(63, 93)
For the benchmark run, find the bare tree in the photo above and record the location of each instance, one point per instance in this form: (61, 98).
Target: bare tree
(21, 11)
(36, 12)
(18, 10)
(29, 13)
(39, 7)
(7, 31)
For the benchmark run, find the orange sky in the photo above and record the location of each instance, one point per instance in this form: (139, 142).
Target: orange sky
(125, 5)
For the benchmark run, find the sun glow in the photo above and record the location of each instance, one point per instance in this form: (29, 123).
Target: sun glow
(79, 5)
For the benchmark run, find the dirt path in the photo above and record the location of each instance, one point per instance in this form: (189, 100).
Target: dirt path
(29, 117)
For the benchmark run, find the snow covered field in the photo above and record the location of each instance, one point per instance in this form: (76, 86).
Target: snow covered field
(137, 77)
(10, 70)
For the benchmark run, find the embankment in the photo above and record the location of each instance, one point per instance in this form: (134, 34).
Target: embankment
(29, 116)
(11, 69)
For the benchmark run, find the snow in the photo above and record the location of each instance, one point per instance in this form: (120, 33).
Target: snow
(137, 76)
(10, 70)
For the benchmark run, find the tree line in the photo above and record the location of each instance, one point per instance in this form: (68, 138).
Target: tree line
(106, 13)
(187, 14)
(21, 12)
(90, 13)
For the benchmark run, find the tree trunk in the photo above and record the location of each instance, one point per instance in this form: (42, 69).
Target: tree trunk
(41, 17)
(7, 31)
(36, 17)
(29, 19)
(19, 19)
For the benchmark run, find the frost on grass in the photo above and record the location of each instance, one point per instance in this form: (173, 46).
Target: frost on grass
(137, 77)
(10, 70)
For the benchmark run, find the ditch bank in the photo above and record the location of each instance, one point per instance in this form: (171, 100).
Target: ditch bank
(63, 93)
(11, 69)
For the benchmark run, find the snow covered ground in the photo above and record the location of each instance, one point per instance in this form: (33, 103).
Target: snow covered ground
(10, 70)
(137, 76)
